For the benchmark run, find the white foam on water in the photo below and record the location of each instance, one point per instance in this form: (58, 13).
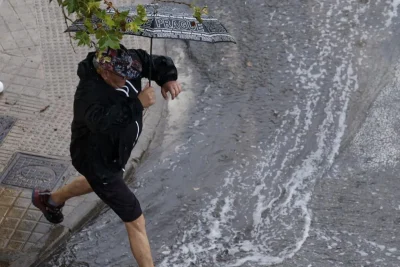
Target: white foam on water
(289, 200)
(362, 253)
(392, 11)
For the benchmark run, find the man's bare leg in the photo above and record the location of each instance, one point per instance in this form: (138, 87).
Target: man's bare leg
(139, 242)
(77, 187)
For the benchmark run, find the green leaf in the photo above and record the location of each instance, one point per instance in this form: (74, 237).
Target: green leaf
(108, 20)
(89, 26)
(132, 26)
(72, 5)
(100, 33)
(123, 15)
(101, 14)
(92, 6)
(197, 14)
(83, 38)
(141, 11)
(109, 40)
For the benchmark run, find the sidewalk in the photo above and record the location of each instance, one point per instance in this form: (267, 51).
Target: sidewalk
(38, 69)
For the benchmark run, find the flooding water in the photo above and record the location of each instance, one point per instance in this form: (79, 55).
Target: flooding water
(257, 145)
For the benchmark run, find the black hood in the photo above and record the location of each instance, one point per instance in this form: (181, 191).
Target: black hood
(86, 69)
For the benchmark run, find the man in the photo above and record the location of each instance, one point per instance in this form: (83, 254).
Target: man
(107, 123)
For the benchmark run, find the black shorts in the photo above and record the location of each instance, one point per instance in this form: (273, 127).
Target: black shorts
(117, 195)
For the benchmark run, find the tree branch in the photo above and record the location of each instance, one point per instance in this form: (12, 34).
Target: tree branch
(66, 23)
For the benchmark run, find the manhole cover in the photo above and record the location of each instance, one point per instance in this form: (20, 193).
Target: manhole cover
(6, 123)
(30, 171)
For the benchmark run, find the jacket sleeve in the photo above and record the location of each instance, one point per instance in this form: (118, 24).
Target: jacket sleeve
(162, 67)
(103, 118)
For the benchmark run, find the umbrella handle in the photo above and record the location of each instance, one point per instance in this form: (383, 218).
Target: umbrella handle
(151, 59)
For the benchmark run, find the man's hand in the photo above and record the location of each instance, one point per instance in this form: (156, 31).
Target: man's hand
(147, 96)
(173, 87)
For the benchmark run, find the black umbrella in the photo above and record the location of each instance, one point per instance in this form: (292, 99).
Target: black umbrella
(169, 21)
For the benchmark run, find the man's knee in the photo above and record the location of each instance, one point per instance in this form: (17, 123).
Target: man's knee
(138, 224)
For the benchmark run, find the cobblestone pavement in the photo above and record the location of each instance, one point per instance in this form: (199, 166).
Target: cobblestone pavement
(38, 70)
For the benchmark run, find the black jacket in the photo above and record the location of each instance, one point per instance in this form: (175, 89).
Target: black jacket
(108, 122)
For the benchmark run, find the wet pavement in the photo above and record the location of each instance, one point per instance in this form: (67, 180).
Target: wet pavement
(281, 151)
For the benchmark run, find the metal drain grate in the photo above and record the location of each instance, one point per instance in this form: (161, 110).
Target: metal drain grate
(31, 171)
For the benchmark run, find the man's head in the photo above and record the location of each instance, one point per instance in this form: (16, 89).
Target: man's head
(116, 65)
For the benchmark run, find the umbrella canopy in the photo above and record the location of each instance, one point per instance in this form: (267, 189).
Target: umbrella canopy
(170, 21)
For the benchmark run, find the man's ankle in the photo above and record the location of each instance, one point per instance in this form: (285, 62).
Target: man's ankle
(52, 202)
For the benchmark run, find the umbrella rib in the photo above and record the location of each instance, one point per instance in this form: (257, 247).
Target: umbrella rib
(193, 33)
(180, 17)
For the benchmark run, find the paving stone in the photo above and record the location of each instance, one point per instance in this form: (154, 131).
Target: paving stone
(11, 69)
(40, 74)
(2, 65)
(14, 245)
(19, 35)
(27, 193)
(16, 213)
(35, 237)
(32, 207)
(15, 88)
(11, 223)
(20, 80)
(15, 26)
(8, 43)
(28, 247)
(32, 215)
(35, 36)
(16, 3)
(6, 11)
(32, 91)
(22, 9)
(43, 220)
(29, 24)
(15, 52)
(5, 58)
(6, 233)
(3, 242)
(26, 225)
(32, 63)
(23, 202)
(25, 43)
(42, 228)
(43, 95)
(20, 236)
(17, 61)
(28, 72)
(6, 201)
(37, 83)
(29, 51)
(4, 29)
(11, 192)
(3, 211)
(6, 78)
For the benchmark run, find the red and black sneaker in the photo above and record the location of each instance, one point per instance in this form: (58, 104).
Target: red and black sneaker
(40, 200)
